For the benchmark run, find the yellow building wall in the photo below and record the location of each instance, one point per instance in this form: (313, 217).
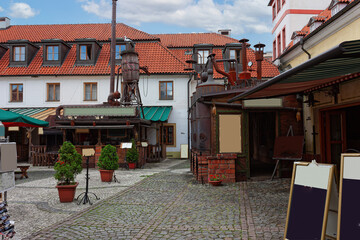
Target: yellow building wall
(348, 33)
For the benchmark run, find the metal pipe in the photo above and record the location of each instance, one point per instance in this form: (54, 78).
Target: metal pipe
(230, 78)
(302, 48)
(112, 47)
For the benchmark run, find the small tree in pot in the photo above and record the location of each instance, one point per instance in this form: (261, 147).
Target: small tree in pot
(132, 155)
(66, 169)
(108, 162)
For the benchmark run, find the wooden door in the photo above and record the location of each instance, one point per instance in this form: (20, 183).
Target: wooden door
(335, 136)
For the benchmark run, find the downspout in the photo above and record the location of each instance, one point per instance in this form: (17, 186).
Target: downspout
(188, 109)
(302, 48)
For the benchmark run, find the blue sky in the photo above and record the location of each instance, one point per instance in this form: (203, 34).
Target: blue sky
(246, 18)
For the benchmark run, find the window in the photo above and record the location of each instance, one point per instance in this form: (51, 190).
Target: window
(52, 53)
(274, 50)
(278, 5)
(90, 91)
(202, 57)
(283, 39)
(118, 50)
(168, 134)
(53, 92)
(279, 45)
(19, 54)
(85, 52)
(16, 92)
(274, 11)
(166, 90)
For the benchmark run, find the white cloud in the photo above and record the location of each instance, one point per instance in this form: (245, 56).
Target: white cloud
(1, 9)
(239, 15)
(22, 10)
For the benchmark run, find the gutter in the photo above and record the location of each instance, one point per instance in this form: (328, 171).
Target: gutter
(332, 53)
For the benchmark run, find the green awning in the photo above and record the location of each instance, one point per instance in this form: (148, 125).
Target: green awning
(156, 113)
(340, 63)
(14, 119)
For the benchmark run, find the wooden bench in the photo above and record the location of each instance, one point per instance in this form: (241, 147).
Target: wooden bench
(22, 171)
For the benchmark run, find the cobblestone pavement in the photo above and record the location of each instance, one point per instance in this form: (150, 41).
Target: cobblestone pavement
(171, 205)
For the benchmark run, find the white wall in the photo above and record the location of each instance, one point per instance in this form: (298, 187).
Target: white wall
(295, 21)
(72, 92)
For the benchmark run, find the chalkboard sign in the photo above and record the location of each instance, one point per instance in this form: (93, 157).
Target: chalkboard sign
(349, 198)
(312, 187)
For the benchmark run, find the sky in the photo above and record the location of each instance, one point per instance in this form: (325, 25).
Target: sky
(249, 19)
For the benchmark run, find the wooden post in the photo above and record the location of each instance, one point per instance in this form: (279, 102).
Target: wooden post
(28, 135)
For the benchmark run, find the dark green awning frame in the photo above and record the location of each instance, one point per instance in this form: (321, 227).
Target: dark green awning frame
(338, 62)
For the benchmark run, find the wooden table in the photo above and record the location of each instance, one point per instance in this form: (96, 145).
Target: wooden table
(23, 171)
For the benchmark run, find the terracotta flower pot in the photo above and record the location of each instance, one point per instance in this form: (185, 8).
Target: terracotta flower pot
(66, 192)
(132, 165)
(215, 183)
(106, 175)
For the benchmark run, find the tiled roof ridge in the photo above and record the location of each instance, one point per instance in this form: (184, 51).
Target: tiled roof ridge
(200, 33)
(150, 35)
(167, 49)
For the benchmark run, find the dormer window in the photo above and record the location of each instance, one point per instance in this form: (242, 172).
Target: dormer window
(85, 52)
(337, 5)
(232, 51)
(88, 50)
(315, 22)
(54, 52)
(118, 50)
(297, 35)
(203, 54)
(21, 52)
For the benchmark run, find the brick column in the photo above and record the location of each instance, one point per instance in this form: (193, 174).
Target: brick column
(97, 154)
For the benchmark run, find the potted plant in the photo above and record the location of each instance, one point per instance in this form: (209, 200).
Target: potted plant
(66, 169)
(132, 155)
(108, 162)
(216, 179)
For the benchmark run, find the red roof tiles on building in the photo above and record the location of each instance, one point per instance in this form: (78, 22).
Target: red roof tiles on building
(189, 39)
(70, 32)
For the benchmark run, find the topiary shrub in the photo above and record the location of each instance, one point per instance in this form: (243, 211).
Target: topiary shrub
(108, 160)
(132, 155)
(69, 164)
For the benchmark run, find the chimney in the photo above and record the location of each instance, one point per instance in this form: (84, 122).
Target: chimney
(225, 32)
(259, 57)
(4, 22)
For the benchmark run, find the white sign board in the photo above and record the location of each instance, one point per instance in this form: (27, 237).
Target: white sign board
(126, 145)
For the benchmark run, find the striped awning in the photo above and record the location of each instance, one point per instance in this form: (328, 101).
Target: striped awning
(157, 113)
(38, 113)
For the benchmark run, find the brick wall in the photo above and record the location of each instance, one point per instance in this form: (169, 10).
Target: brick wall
(222, 164)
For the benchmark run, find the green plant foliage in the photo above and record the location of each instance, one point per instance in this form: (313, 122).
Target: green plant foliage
(132, 155)
(69, 164)
(108, 160)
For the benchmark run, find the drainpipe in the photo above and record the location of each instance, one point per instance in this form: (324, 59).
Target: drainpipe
(302, 48)
(188, 109)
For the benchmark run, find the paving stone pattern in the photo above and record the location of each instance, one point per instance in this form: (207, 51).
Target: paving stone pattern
(171, 205)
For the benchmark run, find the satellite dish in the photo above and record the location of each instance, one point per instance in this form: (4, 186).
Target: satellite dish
(250, 63)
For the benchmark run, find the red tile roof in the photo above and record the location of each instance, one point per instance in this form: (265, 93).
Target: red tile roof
(179, 42)
(324, 16)
(70, 32)
(189, 39)
(165, 57)
(156, 57)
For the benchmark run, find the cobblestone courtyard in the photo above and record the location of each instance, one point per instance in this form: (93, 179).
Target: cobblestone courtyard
(171, 205)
